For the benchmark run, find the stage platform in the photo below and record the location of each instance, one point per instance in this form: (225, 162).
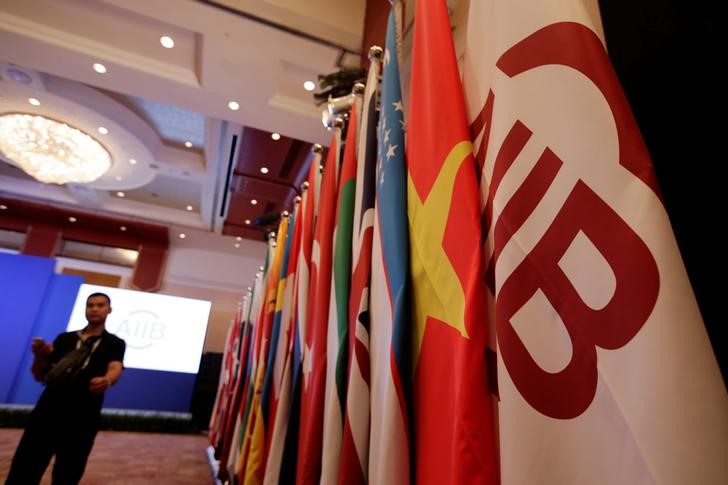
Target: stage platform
(16, 415)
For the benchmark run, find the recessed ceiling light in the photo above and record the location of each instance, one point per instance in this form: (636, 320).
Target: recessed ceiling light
(122, 228)
(247, 221)
(3, 207)
(237, 245)
(233, 105)
(253, 201)
(120, 194)
(190, 208)
(118, 179)
(263, 169)
(166, 41)
(34, 101)
(309, 86)
(100, 68)
(188, 144)
(103, 130)
(239, 238)
(72, 219)
(132, 161)
(182, 235)
(275, 136)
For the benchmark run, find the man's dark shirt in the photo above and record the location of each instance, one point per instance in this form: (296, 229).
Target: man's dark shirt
(78, 397)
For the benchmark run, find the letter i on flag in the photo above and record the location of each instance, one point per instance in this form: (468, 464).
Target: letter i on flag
(389, 451)
(605, 371)
(452, 420)
(355, 444)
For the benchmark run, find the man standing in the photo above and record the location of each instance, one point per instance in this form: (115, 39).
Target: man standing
(78, 367)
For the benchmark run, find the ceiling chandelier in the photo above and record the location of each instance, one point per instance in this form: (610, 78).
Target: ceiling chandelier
(50, 151)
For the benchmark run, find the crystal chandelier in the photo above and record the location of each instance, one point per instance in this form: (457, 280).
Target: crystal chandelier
(50, 151)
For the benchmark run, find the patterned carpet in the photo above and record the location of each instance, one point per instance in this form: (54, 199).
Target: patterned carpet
(131, 459)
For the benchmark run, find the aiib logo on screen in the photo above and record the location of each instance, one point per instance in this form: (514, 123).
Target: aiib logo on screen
(140, 329)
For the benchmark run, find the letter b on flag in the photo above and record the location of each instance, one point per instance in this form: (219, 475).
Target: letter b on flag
(568, 393)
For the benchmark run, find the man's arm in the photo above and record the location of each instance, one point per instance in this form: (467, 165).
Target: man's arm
(41, 352)
(113, 374)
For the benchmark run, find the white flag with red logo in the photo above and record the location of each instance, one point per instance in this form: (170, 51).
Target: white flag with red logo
(605, 371)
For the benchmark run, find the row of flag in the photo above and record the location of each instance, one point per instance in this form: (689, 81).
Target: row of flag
(484, 291)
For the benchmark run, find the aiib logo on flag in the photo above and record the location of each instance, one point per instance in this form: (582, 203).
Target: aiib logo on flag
(562, 239)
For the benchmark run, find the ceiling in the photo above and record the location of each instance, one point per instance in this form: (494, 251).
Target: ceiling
(180, 156)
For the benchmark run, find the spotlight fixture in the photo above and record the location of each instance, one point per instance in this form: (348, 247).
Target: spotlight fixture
(233, 105)
(253, 201)
(122, 228)
(263, 169)
(309, 86)
(189, 208)
(237, 245)
(166, 41)
(100, 68)
(72, 219)
(247, 222)
(182, 235)
(188, 144)
(275, 136)
(132, 161)
(238, 238)
(3, 207)
(103, 130)
(121, 194)
(34, 101)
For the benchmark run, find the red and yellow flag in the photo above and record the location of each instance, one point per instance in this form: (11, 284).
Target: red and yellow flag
(452, 421)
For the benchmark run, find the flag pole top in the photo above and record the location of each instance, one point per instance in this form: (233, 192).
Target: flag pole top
(341, 105)
(339, 123)
(304, 186)
(375, 52)
(284, 214)
(327, 119)
(317, 148)
(358, 89)
(297, 199)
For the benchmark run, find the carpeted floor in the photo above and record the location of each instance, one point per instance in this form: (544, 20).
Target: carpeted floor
(131, 459)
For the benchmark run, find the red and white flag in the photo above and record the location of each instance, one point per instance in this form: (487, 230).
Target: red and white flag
(354, 461)
(308, 465)
(605, 371)
(292, 365)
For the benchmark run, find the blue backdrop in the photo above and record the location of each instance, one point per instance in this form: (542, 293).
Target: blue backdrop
(34, 301)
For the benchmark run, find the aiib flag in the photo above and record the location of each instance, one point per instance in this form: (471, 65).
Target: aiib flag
(605, 372)
(452, 421)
